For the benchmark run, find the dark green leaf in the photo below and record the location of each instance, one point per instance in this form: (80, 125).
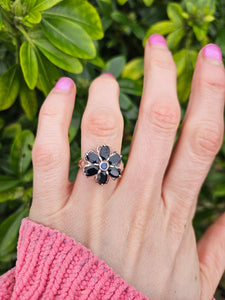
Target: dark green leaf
(9, 230)
(82, 13)
(130, 87)
(174, 38)
(20, 154)
(5, 4)
(48, 74)
(68, 36)
(115, 65)
(125, 102)
(2, 122)
(29, 64)
(9, 87)
(1, 21)
(7, 183)
(28, 100)
(11, 131)
(59, 58)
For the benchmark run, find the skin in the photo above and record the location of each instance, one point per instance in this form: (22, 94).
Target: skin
(141, 224)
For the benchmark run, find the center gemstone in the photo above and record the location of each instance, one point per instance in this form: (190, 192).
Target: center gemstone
(104, 166)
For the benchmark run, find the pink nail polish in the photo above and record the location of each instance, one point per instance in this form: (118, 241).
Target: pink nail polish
(64, 83)
(108, 74)
(157, 39)
(213, 51)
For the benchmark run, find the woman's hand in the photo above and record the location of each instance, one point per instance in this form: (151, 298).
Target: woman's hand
(141, 224)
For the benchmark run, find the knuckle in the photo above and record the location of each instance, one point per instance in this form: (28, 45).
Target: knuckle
(106, 82)
(207, 140)
(47, 156)
(212, 83)
(102, 123)
(165, 116)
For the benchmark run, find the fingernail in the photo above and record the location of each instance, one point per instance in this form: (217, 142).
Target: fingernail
(157, 39)
(212, 51)
(108, 74)
(64, 83)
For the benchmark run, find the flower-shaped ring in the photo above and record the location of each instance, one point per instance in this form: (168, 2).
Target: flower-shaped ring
(102, 164)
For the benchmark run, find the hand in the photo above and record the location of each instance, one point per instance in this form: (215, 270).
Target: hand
(141, 224)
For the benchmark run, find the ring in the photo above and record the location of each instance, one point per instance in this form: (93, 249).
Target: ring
(102, 164)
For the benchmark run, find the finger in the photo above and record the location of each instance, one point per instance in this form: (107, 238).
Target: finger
(201, 136)
(102, 124)
(211, 252)
(51, 151)
(158, 119)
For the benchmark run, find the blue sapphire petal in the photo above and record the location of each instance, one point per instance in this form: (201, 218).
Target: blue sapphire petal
(91, 170)
(114, 172)
(115, 159)
(102, 178)
(104, 152)
(92, 157)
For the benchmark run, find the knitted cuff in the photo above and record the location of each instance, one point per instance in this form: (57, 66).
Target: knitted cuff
(51, 265)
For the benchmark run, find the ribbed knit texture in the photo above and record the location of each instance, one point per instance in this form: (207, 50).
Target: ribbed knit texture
(51, 265)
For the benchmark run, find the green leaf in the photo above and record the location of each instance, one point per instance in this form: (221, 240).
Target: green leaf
(163, 28)
(9, 230)
(59, 58)
(174, 11)
(1, 21)
(12, 194)
(74, 127)
(48, 74)
(5, 4)
(130, 87)
(82, 13)
(201, 32)
(45, 4)
(29, 64)
(134, 69)
(28, 100)
(21, 149)
(148, 2)
(11, 131)
(125, 102)
(2, 123)
(29, 4)
(68, 37)
(34, 17)
(174, 38)
(7, 183)
(121, 2)
(220, 40)
(9, 87)
(115, 66)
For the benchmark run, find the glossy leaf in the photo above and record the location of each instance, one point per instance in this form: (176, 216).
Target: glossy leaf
(115, 66)
(59, 58)
(34, 17)
(29, 64)
(121, 2)
(9, 230)
(48, 74)
(9, 87)
(30, 4)
(163, 28)
(12, 194)
(21, 149)
(134, 69)
(148, 2)
(174, 38)
(45, 4)
(174, 11)
(68, 36)
(82, 13)
(28, 100)
(131, 87)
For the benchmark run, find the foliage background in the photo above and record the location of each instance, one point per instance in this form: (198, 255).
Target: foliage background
(40, 41)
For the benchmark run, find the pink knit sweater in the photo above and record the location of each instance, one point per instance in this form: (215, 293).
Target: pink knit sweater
(51, 265)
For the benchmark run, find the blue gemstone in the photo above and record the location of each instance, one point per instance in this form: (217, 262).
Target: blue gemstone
(104, 166)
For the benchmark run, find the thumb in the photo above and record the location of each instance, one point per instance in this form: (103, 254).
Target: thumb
(211, 252)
